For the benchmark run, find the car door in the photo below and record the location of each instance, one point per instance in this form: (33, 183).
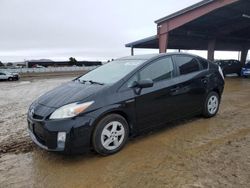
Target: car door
(192, 83)
(156, 105)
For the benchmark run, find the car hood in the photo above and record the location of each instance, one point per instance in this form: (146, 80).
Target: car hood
(69, 93)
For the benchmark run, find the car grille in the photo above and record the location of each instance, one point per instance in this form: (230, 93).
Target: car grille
(40, 138)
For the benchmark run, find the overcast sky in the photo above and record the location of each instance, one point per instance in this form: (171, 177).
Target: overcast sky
(85, 29)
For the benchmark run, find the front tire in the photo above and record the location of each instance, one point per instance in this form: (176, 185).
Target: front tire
(10, 78)
(110, 134)
(211, 105)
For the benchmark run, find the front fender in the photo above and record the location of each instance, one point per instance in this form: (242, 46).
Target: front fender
(125, 110)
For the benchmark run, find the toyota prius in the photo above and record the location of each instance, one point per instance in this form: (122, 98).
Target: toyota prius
(103, 108)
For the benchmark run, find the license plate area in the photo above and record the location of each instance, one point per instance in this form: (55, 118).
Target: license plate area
(38, 131)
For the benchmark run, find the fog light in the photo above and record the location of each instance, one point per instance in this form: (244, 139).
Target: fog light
(61, 138)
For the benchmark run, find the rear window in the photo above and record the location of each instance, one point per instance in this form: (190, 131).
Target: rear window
(236, 62)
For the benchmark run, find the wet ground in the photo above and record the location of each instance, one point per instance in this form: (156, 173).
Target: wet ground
(190, 153)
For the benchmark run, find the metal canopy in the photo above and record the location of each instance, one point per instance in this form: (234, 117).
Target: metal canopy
(229, 26)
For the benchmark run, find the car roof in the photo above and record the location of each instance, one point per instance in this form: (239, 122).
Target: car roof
(152, 56)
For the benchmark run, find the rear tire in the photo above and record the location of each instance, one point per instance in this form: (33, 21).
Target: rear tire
(211, 105)
(110, 134)
(10, 79)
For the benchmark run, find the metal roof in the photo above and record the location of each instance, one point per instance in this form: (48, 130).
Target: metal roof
(148, 39)
(229, 25)
(183, 11)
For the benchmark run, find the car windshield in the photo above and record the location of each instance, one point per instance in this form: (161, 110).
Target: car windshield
(111, 72)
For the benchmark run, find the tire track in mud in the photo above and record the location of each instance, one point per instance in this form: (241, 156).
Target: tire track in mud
(15, 98)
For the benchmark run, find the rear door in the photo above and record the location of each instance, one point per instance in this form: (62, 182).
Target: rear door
(192, 83)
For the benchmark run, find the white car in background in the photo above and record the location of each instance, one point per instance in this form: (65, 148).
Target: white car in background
(5, 75)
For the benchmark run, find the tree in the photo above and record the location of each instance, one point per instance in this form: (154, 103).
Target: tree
(72, 61)
(1, 64)
(9, 64)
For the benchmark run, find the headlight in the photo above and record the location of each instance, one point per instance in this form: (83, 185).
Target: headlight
(70, 110)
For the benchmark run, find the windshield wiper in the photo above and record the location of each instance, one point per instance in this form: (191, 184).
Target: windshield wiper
(90, 81)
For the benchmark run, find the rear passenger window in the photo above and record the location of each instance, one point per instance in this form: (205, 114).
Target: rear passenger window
(186, 64)
(237, 62)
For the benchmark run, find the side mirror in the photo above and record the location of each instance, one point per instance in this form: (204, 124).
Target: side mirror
(142, 83)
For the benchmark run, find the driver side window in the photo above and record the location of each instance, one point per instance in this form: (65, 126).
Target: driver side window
(158, 70)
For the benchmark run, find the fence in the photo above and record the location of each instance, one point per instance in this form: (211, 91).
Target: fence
(49, 69)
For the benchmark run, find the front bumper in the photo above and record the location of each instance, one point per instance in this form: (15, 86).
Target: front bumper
(44, 133)
(34, 139)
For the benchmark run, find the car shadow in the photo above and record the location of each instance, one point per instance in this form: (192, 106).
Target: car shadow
(74, 157)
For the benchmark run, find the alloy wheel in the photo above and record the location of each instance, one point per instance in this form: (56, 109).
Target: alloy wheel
(213, 104)
(112, 135)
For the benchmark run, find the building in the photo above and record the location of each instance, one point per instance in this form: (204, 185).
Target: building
(208, 25)
(49, 63)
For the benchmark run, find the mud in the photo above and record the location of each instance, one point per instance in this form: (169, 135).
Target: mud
(189, 153)
(15, 98)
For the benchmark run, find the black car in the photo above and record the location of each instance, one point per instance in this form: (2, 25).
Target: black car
(124, 98)
(230, 66)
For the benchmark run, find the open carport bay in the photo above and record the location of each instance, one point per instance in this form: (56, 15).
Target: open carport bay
(189, 153)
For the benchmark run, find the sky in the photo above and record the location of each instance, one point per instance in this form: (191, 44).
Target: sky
(84, 29)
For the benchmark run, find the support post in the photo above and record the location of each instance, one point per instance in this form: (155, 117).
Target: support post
(163, 42)
(243, 56)
(211, 49)
(132, 51)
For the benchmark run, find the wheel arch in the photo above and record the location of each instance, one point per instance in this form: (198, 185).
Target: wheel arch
(217, 90)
